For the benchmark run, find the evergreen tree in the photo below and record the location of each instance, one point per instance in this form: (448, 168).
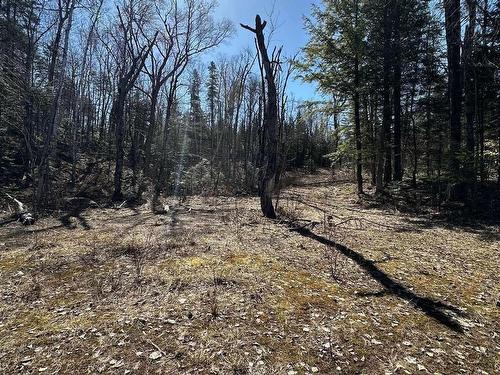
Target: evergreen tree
(334, 57)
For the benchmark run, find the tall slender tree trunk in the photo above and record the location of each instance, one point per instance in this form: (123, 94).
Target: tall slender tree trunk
(357, 119)
(117, 117)
(62, 16)
(452, 24)
(357, 129)
(53, 121)
(125, 84)
(482, 162)
(470, 92)
(383, 157)
(270, 125)
(151, 131)
(498, 137)
(373, 138)
(414, 136)
(80, 94)
(398, 164)
(428, 132)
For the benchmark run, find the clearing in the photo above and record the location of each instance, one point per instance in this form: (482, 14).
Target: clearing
(212, 287)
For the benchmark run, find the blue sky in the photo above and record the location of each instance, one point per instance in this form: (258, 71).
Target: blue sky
(287, 16)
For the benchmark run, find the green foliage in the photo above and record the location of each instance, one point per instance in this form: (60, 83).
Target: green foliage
(337, 34)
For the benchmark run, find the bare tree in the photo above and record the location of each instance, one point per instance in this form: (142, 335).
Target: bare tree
(270, 124)
(83, 77)
(53, 118)
(133, 50)
(186, 30)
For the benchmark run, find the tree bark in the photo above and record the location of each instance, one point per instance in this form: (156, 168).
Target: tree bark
(62, 16)
(452, 25)
(357, 129)
(155, 91)
(270, 124)
(383, 157)
(357, 120)
(117, 117)
(470, 92)
(125, 84)
(53, 121)
(398, 166)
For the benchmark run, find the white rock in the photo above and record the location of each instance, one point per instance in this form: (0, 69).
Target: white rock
(155, 355)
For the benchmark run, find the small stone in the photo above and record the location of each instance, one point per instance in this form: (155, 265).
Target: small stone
(155, 355)
(411, 360)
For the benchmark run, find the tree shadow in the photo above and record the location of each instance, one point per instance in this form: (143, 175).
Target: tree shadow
(20, 232)
(7, 221)
(440, 311)
(487, 231)
(76, 213)
(378, 293)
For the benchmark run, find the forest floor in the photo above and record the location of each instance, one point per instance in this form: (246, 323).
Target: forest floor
(211, 287)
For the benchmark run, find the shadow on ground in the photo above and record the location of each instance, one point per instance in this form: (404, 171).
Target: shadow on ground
(440, 311)
(77, 214)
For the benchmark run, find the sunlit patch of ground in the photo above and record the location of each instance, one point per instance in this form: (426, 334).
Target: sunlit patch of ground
(212, 287)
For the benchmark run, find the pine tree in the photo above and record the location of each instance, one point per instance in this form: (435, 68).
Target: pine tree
(196, 112)
(334, 58)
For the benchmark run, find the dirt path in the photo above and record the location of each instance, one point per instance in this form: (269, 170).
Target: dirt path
(212, 287)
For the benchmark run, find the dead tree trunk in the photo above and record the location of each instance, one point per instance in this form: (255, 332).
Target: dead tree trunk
(22, 212)
(267, 173)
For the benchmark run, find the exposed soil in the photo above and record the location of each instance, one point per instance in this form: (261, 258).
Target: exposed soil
(334, 286)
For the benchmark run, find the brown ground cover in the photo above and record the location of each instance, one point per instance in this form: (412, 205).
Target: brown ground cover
(335, 286)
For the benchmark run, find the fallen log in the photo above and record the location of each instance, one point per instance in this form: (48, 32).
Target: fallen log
(22, 213)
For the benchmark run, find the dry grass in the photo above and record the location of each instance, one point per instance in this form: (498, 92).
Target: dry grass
(212, 287)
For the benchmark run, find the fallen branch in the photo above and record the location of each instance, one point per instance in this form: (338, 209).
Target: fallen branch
(121, 205)
(22, 212)
(157, 347)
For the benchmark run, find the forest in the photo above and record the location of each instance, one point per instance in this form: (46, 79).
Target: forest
(186, 187)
